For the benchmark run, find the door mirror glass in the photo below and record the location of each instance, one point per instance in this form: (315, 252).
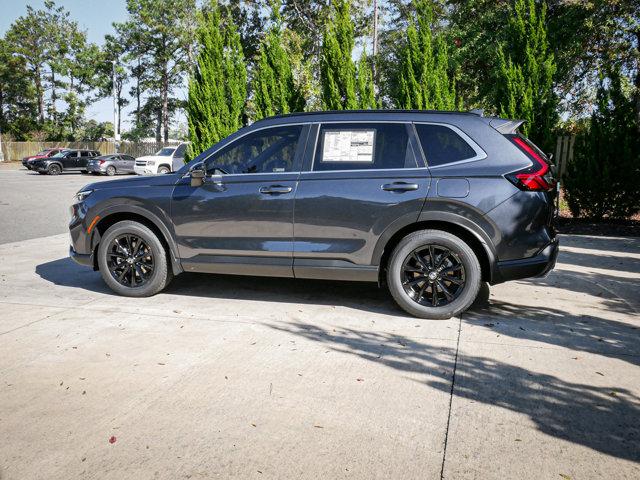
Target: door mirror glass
(197, 174)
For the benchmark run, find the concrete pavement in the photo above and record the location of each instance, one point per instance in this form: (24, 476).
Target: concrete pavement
(233, 377)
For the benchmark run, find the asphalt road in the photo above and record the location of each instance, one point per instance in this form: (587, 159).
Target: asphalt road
(34, 205)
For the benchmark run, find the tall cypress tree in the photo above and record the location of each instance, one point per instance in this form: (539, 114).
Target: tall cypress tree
(424, 81)
(366, 88)
(337, 70)
(274, 88)
(217, 88)
(525, 70)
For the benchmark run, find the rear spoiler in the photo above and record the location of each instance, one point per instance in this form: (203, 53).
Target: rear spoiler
(506, 127)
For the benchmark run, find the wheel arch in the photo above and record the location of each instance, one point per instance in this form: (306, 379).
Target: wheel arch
(461, 227)
(114, 215)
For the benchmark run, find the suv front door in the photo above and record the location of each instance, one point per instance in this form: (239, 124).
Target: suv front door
(70, 160)
(361, 181)
(241, 219)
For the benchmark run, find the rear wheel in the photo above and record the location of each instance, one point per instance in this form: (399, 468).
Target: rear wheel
(133, 261)
(433, 274)
(111, 170)
(54, 169)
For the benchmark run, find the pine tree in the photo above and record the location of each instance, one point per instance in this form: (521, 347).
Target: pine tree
(337, 70)
(525, 70)
(424, 81)
(217, 88)
(275, 91)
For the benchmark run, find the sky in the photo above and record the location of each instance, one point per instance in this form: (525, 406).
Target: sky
(94, 16)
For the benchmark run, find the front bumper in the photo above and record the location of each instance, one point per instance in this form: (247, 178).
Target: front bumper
(144, 170)
(537, 266)
(84, 259)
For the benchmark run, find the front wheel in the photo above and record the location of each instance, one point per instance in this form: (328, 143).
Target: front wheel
(164, 170)
(54, 169)
(132, 260)
(433, 274)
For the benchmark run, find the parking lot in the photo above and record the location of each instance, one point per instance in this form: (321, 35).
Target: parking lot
(238, 377)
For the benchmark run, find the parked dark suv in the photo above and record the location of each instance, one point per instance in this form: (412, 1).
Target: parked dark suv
(71, 160)
(429, 203)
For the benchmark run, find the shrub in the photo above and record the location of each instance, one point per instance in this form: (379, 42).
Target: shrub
(602, 180)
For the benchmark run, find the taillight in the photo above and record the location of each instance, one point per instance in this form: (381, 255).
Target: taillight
(538, 177)
(101, 161)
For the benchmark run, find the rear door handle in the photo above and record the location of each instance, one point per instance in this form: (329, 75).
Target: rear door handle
(275, 190)
(399, 187)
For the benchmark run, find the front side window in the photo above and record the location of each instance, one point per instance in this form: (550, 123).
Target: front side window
(442, 145)
(363, 146)
(271, 150)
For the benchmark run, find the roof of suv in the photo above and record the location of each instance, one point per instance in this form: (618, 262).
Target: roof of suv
(388, 115)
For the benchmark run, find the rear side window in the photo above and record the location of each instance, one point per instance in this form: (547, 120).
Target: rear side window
(363, 146)
(442, 145)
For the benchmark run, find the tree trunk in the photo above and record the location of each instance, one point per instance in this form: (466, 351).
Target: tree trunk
(637, 80)
(53, 97)
(40, 95)
(138, 95)
(165, 103)
(159, 125)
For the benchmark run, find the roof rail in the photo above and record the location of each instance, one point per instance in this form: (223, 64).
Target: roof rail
(326, 112)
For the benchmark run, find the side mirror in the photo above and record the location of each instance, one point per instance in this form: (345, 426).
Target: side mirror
(197, 175)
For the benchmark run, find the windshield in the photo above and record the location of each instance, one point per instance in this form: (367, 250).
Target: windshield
(165, 152)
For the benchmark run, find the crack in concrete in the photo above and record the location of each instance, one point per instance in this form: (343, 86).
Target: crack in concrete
(453, 384)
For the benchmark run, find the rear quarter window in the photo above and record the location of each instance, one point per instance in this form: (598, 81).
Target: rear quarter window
(443, 145)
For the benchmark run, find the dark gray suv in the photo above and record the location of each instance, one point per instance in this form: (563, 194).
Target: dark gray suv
(429, 203)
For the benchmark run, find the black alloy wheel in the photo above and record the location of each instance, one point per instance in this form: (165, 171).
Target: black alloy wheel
(130, 260)
(54, 169)
(433, 275)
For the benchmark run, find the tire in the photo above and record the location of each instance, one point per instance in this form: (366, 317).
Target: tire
(160, 275)
(111, 170)
(415, 296)
(164, 170)
(54, 169)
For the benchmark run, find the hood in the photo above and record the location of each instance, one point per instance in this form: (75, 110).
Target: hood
(135, 182)
(154, 157)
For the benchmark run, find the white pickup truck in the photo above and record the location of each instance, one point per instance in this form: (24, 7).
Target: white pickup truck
(166, 160)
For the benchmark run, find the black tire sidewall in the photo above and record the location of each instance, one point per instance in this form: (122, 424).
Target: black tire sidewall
(160, 277)
(54, 169)
(473, 274)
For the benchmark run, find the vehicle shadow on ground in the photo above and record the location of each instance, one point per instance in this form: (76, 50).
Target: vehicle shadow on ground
(601, 418)
(360, 296)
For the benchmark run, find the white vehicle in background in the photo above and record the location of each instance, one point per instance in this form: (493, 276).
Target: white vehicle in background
(166, 160)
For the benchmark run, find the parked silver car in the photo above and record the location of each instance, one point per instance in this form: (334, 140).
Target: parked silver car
(111, 164)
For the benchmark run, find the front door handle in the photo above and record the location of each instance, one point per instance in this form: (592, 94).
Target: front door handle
(399, 187)
(275, 190)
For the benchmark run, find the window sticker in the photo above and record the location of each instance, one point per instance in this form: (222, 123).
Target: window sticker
(348, 145)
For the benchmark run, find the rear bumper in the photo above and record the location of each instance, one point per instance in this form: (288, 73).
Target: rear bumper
(96, 169)
(537, 266)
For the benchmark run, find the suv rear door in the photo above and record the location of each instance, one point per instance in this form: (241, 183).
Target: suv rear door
(359, 180)
(241, 219)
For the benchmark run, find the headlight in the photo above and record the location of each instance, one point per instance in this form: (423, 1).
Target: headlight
(151, 162)
(80, 196)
